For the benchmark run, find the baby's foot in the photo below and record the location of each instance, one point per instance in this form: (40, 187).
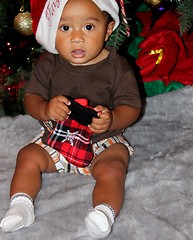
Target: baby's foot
(99, 222)
(20, 214)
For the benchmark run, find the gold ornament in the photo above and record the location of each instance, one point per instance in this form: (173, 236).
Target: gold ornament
(23, 23)
(153, 2)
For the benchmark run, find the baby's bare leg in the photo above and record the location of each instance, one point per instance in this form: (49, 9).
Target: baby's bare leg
(32, 160)
(109, 170)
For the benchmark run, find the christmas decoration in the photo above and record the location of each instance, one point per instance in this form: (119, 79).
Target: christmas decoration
(158, 8)
(23, 22)
(164, 58)
(18, 53)
(121, 34)
(153, 2)
(185, 10)
(12, 99)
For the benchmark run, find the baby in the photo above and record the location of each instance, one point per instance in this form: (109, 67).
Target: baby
(77, 68)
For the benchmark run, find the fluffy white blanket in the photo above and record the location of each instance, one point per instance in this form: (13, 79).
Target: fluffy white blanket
(159, 187)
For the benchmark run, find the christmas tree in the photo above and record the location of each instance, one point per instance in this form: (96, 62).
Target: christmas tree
(18, 51)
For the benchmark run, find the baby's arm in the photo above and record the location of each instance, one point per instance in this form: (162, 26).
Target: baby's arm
(44, 110)
(120, 117)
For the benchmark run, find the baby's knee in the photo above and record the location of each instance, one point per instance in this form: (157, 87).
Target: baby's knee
(110, 170)
(26, 151)
(27, 156)
(34, 157)
(116, 170)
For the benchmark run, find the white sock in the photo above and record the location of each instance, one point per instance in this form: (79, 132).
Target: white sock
(100, 220)
(20, 213)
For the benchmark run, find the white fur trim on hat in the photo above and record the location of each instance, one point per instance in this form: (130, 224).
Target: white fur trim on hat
(49, 20)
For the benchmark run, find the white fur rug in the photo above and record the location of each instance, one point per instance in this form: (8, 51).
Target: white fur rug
(159, 188)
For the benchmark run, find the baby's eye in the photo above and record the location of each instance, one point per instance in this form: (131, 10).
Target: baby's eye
(89, 27)
(65, 28)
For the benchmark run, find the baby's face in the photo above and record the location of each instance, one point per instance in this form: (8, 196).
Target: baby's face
(81, 33)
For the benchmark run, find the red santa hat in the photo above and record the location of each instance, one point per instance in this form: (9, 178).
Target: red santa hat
(46, 16)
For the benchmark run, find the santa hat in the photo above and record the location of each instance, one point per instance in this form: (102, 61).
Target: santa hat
(46, 16)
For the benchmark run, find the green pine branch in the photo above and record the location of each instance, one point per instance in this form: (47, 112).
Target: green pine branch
(119, 36)
(185, 11)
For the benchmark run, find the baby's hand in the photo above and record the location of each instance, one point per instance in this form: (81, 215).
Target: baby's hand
(103, 123)
(57, 108)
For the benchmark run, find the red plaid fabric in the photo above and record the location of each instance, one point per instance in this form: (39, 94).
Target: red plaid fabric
(72, 140)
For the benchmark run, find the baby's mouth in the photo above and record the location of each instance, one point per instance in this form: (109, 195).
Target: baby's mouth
(78, 53)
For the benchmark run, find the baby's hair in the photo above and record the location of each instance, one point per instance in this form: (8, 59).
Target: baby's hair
(108, 17)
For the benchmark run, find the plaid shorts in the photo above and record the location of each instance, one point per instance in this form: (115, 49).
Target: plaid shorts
(62, 165)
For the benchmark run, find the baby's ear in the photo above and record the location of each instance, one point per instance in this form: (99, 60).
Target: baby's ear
(109, 29)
